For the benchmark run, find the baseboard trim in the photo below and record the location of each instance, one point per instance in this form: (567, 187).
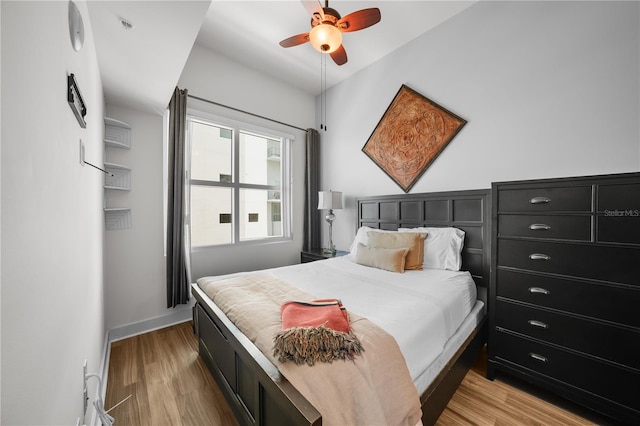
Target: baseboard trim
(181, 314)
(104, 373)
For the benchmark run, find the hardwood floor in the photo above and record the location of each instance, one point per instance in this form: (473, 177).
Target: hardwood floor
(170, 385)
(169, 382)
(508, 401)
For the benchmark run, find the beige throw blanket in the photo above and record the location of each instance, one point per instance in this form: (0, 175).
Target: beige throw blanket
(374, 389)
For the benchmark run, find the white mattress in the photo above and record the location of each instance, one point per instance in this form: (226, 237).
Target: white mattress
(427, 312)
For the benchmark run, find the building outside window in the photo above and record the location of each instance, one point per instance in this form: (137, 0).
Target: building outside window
(239, 183)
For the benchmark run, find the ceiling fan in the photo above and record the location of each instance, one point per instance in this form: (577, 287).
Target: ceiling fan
(327, 27)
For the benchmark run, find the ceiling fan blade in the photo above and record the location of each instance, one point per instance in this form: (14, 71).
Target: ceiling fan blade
(359, 20)
(295, 40)
(339, 56)
(313, 7)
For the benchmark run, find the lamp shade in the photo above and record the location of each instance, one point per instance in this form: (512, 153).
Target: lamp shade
(328, 200)
(325, 38)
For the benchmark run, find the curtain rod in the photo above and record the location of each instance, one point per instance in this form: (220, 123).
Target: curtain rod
(245, 112)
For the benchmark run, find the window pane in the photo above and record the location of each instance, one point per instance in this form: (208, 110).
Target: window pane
(260, 214)
(210, 152)
(259, 160)
(211, 216)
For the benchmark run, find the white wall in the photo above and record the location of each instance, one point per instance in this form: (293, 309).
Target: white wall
(52, 220)
(549, 89)
(214, 77)
(134, 261)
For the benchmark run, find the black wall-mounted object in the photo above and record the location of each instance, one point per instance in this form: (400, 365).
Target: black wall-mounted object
(75, 100)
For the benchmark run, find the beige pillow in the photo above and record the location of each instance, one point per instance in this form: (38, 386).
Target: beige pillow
(382, 258)
(414, 241)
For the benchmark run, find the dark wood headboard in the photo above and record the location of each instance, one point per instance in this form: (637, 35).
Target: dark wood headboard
(466, 210)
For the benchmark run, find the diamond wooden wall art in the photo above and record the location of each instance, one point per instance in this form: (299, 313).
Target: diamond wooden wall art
(412, 132)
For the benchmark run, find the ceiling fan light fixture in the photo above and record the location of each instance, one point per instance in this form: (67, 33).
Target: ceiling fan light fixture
(325, 38)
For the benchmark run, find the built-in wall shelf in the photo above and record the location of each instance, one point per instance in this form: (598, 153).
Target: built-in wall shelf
(117, 218)
(117, 133)
(118, 177)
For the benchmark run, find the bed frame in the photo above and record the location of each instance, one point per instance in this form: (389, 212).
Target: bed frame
(256, 391)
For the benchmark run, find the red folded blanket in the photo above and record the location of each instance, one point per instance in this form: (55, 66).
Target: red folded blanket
(327, 312)
(315, 331)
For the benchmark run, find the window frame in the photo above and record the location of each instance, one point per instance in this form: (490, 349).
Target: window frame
(285, 187)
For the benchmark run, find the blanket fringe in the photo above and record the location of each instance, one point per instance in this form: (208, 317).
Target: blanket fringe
(315, 344)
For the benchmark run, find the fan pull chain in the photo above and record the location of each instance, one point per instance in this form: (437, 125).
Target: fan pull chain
(321, 94)
(323, 91)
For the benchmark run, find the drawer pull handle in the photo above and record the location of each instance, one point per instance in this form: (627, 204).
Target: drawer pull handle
(537, 323)
(540, 200)
(539, 290)
(539, 227)
(538, 357)
(539, 256)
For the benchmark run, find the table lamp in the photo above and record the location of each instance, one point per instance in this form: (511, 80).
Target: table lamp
(330, 200)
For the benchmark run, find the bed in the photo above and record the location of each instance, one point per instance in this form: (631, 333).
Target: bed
(258, 391)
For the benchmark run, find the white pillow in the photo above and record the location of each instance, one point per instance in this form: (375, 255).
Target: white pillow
(442, 248)
(362, 237)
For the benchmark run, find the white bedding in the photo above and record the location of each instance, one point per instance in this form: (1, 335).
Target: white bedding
(434, 303)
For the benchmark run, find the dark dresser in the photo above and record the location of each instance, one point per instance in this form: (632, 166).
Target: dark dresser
(565, 292)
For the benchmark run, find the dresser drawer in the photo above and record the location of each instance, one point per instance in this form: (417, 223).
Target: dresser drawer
(577, 228)
(616, 344)
(619, 226)
(606, 263)
(616, 384)
(619, 213)
(574, 296)
(558, 199)
(619, 197)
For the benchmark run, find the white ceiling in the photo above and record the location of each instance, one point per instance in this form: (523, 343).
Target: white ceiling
(249, 32)
(140, 67)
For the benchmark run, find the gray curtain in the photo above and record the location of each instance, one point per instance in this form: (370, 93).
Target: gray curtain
(312, 184)
(178, 251)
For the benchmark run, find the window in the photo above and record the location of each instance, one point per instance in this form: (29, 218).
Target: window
(239, 182)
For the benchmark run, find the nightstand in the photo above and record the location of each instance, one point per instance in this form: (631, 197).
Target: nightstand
(319, 254)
